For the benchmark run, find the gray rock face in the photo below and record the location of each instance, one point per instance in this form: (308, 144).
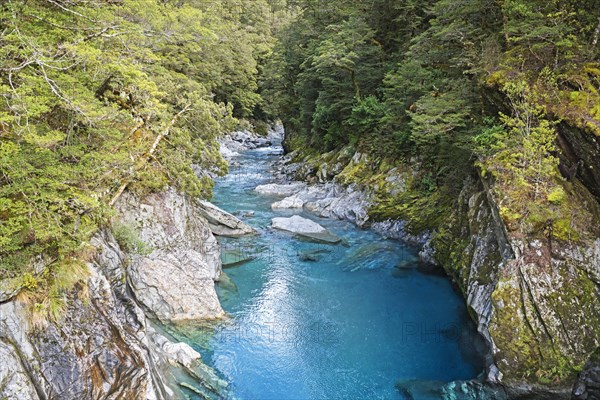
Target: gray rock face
(175, 282)
(99, 350)
(105, 347)
(304, 227)
(346, 203)
(223, 223)
(522, 291)
(16, 382)
(77, 358)
(482, 257)
(587, 386)
(397, 230)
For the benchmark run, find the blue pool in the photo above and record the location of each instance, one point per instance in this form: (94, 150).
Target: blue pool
(318, 321)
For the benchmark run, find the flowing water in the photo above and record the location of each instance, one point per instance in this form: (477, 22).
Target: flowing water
(318, 321)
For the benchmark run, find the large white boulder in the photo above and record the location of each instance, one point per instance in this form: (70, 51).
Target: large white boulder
(304, 227)
(285, 190)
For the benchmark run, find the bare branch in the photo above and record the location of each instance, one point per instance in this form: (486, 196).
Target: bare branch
(67, 9)
(150, 153)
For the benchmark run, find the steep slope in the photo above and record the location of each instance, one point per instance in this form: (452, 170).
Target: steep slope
(106, 346)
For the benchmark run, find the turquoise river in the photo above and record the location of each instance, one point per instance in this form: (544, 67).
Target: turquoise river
(362, 319)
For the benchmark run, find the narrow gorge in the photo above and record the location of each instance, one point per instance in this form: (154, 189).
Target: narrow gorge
(276, 199)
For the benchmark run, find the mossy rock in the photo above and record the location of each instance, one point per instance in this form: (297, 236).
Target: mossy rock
(545, 322)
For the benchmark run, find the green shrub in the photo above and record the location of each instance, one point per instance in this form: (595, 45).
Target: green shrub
(129, 239)
(261, 128)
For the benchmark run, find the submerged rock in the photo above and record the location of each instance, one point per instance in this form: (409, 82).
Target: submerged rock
(312, 255)
(473, 390)
(226, 283)
(304, 227)
(417, 389)
(235, 257)
(176, 353)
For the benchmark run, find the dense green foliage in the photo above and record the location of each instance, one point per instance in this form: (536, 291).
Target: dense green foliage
(101, 95)
(445, 85)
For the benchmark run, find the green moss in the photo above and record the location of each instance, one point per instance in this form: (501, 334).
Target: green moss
(595, 357)
(562, 230)
(356, 172)
(29, 281)
(517, 345)
(557, 195)
(421, 211)
(526, 351)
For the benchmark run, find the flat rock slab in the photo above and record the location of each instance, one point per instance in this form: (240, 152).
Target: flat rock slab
(305, 228)
(222, 223)
(273, 189)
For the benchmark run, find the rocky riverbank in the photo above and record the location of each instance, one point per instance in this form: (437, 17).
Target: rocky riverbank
(158, 264)
(535, 303)
(106, 345)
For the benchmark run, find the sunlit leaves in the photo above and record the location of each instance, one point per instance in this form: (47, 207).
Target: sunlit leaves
(85, 90)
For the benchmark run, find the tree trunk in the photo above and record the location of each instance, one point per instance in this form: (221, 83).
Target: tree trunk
(355, 84)
(596, 34)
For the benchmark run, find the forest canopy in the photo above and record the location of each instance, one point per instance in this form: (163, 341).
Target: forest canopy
(450, 87)
(99, 96)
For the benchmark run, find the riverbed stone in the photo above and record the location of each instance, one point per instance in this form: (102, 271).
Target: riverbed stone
(176, 352)
(305, 228)
(281, 190)
(237, 256)
(288, 202)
